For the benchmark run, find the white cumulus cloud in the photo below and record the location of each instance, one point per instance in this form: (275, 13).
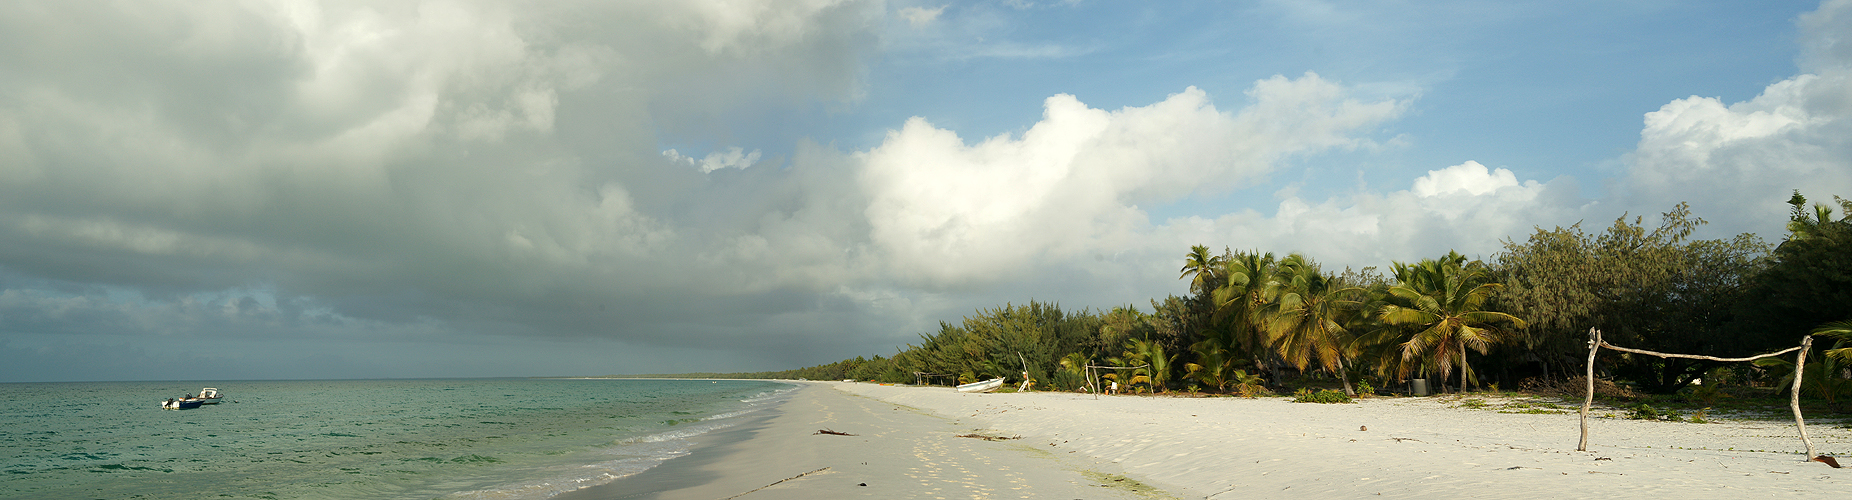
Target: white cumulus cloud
(733, 157)
(1470, 177)
(921, 16)
(1736, 163)
(946, 211)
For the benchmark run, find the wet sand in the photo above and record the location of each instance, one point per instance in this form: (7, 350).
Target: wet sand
(896, 451)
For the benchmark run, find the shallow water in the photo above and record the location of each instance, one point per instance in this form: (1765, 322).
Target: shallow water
(494, 438)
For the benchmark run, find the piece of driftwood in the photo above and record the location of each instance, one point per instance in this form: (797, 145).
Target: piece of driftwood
(1794, 393)
(987, 438)
(832, 433)
(1594, 345)
(775, 483)
(1695, 356)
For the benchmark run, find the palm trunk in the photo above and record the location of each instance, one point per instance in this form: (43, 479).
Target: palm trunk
(1344, 375)
(1462, 367)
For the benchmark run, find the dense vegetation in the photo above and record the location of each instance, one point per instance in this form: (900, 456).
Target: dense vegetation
(1255, 319)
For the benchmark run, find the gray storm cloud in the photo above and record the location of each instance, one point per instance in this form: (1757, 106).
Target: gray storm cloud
(351, 182)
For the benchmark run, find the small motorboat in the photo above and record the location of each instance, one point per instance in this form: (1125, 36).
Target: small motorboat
(209, 396)
(182, 403)
(985, 386)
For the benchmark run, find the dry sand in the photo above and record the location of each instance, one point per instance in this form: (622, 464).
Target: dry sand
(1075, 445)
(1413, 447)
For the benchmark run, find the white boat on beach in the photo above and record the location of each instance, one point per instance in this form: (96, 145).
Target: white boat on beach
(985, 386)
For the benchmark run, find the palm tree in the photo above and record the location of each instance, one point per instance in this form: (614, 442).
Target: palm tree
(1212, 365)
(1444, 300)
(1247, 385)
(1303, 323)
(1150, 354)
(1820, 378)
(1841, 330)
(1801, 227)
(1199, 266)
(1074, 367)
(1241, 297)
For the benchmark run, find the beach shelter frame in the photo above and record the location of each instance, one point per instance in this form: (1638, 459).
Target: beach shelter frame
(921, 378)
(1794, 393)
(1092, 378)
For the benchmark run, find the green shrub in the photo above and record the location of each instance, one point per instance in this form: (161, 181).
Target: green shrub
(1645, 411)
(1305, 395)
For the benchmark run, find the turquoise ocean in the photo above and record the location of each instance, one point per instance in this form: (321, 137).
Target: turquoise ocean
(371, 439)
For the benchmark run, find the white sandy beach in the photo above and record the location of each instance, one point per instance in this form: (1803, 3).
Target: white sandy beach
(1429, 447)
(1075, 446)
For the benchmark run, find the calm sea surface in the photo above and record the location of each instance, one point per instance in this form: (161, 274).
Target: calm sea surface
(412, 439)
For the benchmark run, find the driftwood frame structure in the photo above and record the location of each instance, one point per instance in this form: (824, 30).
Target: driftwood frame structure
(921, 378)
(1092, 379)
(1794, 393)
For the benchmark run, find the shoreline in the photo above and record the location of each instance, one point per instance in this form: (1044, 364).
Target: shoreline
(894, 451)
(680, 472)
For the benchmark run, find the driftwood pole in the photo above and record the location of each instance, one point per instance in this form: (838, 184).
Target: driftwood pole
(1090, 383)
(1794, 394)
(1594, 344)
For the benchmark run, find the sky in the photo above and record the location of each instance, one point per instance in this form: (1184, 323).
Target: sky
(367, 189)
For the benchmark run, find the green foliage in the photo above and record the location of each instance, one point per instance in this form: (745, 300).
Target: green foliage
(1435, 313)
(1213, 365)
(1242, 294)
(1647, 288)
(1708, 393)
(1809, 282)
(1304, 320)
(1250, 313)
(1841, 330)
(1822, 378)
(1249, 385)
(1645, 411)
(1157, 376)
(1306, 395)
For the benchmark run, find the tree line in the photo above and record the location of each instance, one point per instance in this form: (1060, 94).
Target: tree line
(1255, 319)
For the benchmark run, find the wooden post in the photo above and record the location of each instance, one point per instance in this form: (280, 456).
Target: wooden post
(1594, 344)
(1090, 383)
(1794, 394)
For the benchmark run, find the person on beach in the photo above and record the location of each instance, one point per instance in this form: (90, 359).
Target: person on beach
(1113, 389)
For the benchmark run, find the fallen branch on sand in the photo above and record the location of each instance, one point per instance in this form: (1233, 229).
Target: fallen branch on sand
(776, 483)
(987, 438)
(832, 433)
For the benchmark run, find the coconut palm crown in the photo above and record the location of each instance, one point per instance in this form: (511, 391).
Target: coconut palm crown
(1444, 302)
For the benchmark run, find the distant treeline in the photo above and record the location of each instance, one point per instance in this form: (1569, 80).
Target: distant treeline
(751, 375)
(1255, 318)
